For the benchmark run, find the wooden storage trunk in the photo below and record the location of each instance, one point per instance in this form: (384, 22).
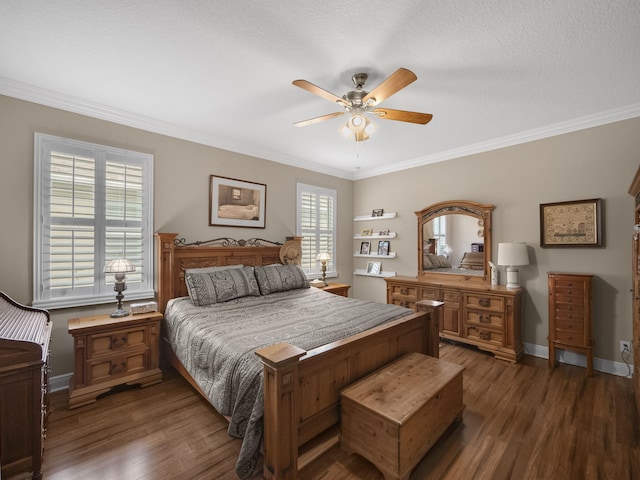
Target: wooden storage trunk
(395, 415)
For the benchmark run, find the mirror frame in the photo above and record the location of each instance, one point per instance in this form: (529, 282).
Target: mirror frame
(481, 211)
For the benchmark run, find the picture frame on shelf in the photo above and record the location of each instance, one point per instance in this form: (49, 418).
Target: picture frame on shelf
(383, 247)
(384, 232)
(377, 212)
(576, 223)
(236, 203)
(367, 232)
(374, 268)
(365, 248)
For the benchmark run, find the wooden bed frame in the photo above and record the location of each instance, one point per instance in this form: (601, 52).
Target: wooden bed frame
(301, 388)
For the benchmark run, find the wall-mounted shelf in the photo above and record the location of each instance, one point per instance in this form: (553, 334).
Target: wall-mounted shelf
(374, 237)
(382, 274)
(364, 218)
(373, 255)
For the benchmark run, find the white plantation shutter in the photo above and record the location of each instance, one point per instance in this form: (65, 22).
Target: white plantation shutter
(92, 204)
(316, 223)
(440, 233)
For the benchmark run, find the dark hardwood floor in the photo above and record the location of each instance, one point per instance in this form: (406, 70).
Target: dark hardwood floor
(521, 421)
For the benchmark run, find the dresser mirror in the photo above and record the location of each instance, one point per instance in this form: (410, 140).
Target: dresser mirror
(454, 240)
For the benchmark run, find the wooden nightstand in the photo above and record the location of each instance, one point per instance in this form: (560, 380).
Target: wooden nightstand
(341, 289)
(113, 351)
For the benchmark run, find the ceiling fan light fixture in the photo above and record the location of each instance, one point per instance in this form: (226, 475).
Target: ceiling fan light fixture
(357, 122)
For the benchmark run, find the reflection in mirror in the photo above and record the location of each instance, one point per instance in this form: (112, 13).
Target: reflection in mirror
(455, 239)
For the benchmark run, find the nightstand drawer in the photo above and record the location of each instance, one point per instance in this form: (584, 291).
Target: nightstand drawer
(105, 369)
(110, 342)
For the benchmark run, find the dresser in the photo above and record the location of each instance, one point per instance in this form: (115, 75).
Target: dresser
(488, 317)
(570, 315)
(25, 334)
(113, 351)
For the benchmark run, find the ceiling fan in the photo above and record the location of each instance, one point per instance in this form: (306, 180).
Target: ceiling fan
(358, 102)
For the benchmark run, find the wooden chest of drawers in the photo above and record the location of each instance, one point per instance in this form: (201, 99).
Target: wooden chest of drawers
(25, 333)
(395, 415)
(112, 351)
(570, 315)
(488, 317)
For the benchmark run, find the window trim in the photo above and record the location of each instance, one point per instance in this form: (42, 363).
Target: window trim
(306, 188)
(102, 293)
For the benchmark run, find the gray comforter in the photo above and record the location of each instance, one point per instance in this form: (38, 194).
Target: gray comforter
(216, 345)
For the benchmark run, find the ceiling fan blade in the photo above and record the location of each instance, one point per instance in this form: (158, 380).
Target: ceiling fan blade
(311, 121)
(402, 115)
(393, 83)
(316, 90)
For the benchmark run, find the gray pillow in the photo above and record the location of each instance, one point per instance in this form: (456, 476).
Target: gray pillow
(210, 269)
(280, 278)
(207, 288)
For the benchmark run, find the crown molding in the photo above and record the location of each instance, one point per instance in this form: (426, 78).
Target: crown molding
(581, 123)
(49, 98)
(72, 104)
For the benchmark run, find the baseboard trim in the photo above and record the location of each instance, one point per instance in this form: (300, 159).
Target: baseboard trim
(60, 382)
(572, 358)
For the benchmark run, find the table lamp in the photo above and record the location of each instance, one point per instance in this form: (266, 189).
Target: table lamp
(324, 258)
(513, 255)
(119, 267)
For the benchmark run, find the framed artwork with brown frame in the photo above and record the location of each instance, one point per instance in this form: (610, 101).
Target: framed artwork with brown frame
(236, 203)
(576, 223)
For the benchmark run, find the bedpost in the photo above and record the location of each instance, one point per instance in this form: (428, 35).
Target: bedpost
(435, 309)
(280, 410)
(165, 286)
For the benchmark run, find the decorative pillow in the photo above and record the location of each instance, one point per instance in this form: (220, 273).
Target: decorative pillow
(433, 258)
(207, 288)
(280, 278)
(443, 262)
(210, 269)
(426, 263)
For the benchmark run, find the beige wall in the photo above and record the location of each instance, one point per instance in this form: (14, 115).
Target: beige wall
(181, 187)
(594, 163)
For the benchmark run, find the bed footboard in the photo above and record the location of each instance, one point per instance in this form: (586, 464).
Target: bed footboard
(302, 388)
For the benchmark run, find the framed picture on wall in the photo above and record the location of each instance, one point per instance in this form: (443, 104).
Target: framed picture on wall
(576, 223)
(374, 268)
(383, 247)
(236, 203)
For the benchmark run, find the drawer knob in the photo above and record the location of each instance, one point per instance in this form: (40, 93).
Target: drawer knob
(484, 302)
(485, 319)
(118, 367)
(118, 341)
(403, 291)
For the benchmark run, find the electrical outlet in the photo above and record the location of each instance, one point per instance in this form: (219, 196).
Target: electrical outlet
(625, 346)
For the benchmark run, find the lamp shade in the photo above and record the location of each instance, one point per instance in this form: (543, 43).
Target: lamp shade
(323, 256)
(513, 254)
(119, 265)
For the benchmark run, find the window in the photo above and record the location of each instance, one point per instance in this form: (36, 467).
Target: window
(440, 233)
(92, 204)
(316, 223)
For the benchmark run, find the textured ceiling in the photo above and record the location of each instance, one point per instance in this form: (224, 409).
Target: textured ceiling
(492, 73)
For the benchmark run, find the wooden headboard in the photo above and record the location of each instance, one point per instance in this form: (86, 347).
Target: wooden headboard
(174, 256)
